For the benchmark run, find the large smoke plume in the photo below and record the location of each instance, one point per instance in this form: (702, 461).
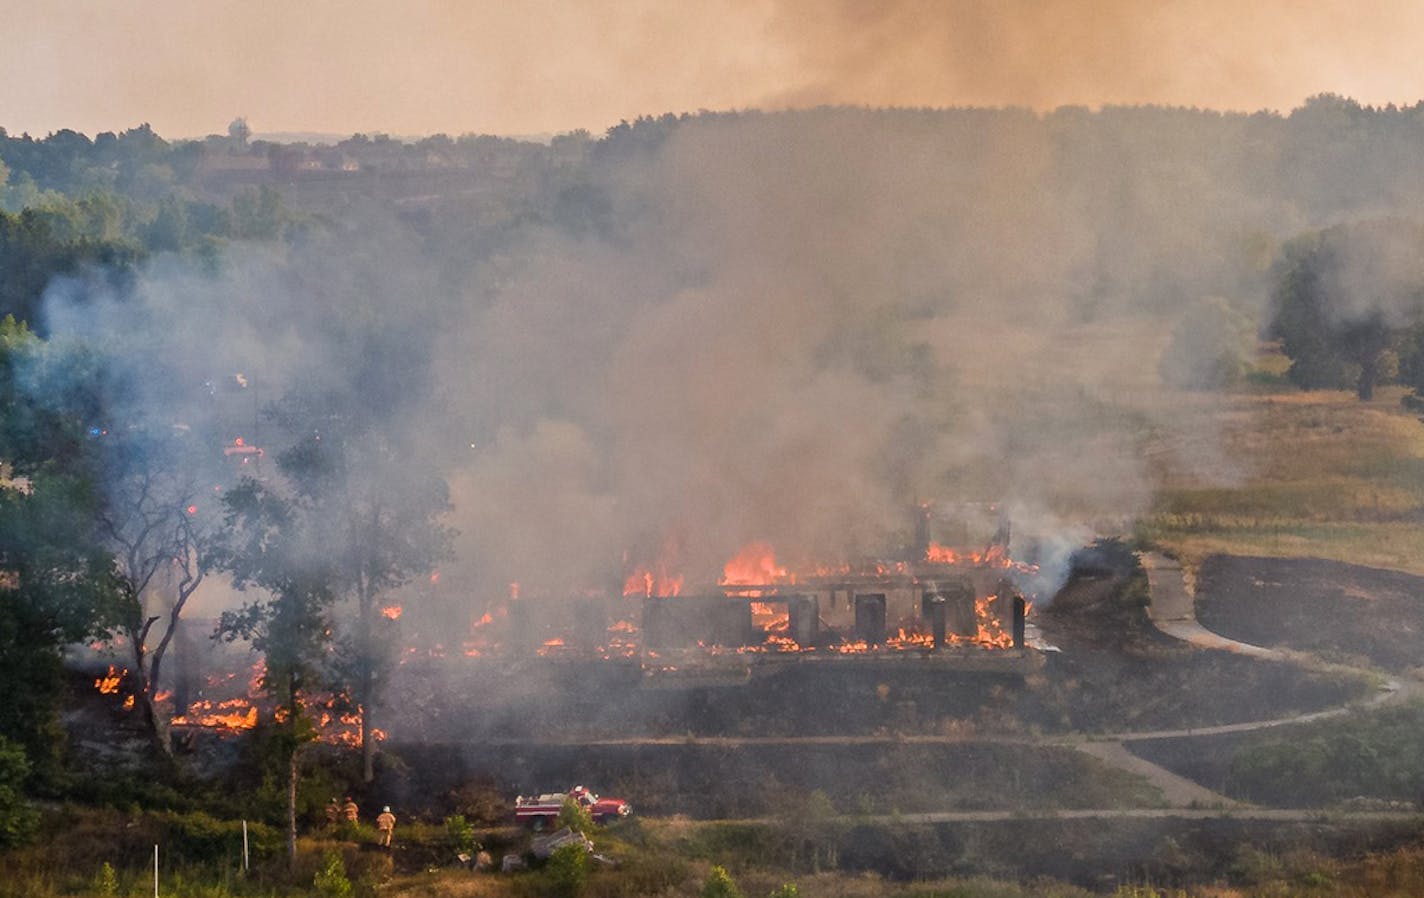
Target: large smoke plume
(788, 328)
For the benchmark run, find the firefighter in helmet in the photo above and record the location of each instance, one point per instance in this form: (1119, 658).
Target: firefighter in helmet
(385, 825)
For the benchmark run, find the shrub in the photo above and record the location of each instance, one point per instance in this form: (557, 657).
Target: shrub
(575, 816)
(567, 871)
(481, 802)
(719, 884)
(460, 834)
(330, 881)
(106, 881)
(786, 890)
(18, 819)
(201, 838)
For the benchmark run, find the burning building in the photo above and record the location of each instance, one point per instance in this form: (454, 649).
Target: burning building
(940, 603)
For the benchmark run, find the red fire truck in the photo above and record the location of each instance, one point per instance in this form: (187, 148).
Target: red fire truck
(540, 810)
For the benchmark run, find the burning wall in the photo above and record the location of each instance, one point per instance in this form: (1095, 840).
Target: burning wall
(943, 600)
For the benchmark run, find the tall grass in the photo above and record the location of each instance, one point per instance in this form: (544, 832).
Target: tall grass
(1319, 474)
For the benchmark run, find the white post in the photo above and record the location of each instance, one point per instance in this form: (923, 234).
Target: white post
(244, 846)
(155, 871)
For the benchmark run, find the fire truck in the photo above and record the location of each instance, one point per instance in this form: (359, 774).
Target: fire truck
(538, 811)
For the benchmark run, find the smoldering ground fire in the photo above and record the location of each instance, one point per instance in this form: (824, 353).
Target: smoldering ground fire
(942, 606)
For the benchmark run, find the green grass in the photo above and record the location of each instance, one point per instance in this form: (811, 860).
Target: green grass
(1377, 754)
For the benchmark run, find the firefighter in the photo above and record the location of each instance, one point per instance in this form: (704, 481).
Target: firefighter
(333, 812)
(350, 810)
(386, 824)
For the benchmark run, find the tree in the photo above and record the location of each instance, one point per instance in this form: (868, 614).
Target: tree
(145, 488)
(63, 238)
(57, 587)
(278, 544)
(1343, 297)
(350, 470)
(155, 518)
(57, 583)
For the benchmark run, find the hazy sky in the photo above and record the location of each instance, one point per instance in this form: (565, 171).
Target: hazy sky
(530, 66)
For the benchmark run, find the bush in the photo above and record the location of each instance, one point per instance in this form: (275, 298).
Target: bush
(201, 838)
(330, 881)
(481, 802)
(567, 871)
(106, 881)
(460, 834)
(719, 884)
(575, 816)
(18, 820)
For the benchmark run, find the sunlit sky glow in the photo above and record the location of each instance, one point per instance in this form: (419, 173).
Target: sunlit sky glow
(411, 67)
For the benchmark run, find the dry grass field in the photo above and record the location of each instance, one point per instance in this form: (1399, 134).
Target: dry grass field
(1317, 474)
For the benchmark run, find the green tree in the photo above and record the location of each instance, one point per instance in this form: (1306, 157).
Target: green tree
(280, 544)
(259, 215)
(58, 239)
(349, 468)
(1344, 297)
(57, 583)
(57, 587)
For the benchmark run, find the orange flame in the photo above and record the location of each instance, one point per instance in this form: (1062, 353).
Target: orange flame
(233, 714)
(754, 565)
(392, 612)
(109, 683)
(645, 582)
(993, 556)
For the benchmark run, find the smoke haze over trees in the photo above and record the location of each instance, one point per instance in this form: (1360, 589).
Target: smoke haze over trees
(702, 330)
(696, 331)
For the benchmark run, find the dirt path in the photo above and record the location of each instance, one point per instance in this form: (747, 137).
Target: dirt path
(1173, 612)
(1179, 791)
